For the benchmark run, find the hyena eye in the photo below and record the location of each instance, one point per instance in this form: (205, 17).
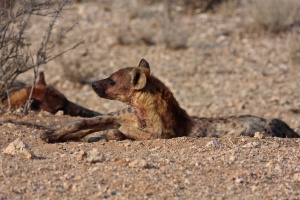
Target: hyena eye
(111, 82)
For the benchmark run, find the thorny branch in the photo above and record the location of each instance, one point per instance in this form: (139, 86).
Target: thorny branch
(16, 52)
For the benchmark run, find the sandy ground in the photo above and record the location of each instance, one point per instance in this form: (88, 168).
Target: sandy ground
(225, 70)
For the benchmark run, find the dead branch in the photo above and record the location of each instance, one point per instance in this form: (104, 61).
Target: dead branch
(17, 55)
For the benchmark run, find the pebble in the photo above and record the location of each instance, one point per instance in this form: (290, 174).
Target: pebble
(59, 113)
(92, 156)
(213, 143)
(95, 155)
(260, 135)
(67, 186)
(19, 147)
(138, 163)
(269, 164)
(29, 154)
(278, 167)
(254, 188)
(232, 159)
(296, 176)
(252, 145)
(239, 180)
(81, 155)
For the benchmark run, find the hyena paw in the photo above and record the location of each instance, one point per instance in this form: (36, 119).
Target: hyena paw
(48, 137)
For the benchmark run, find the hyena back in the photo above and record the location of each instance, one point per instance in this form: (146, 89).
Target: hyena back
(153, 112)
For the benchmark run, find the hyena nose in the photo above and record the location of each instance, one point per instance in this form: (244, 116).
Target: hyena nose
(94, 85)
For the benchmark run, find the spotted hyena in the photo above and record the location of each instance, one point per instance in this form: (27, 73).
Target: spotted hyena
(153, 112)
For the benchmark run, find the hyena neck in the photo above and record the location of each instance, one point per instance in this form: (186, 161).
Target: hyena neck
(156, 107)
(17, 99)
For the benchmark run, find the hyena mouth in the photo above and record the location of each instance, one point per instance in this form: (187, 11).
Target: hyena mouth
(98, 89)
(100, 93)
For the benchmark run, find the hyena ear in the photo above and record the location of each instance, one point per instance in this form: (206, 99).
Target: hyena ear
(138, 79)
(144, 63)
(41, 80)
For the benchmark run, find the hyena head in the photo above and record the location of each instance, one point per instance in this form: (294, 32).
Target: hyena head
(47, 97)
(122, 84)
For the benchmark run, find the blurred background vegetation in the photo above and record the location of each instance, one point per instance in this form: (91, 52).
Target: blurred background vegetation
(169, 24)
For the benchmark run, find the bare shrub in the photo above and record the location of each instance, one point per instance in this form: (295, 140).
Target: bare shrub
(17, 54)
(151, 22)
(7, 4)
(275, 15)
(146, 23)
(136, 22)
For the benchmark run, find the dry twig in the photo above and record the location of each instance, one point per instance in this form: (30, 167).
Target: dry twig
(17, 54)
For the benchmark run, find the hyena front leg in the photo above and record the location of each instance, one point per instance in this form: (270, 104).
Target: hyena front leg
(112, 134)
(80, 128)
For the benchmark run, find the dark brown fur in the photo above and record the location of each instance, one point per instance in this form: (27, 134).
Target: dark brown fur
(45, 98)
(153, 112)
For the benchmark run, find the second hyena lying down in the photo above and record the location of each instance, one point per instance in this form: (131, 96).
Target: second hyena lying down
(153, 112)
(44, 97)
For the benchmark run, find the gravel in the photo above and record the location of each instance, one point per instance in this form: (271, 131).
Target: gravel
(224, 71)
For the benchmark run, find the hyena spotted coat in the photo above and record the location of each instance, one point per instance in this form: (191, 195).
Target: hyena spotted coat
(153, 112)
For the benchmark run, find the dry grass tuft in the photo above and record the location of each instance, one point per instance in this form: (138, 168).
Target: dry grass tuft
(274, 15)
(149, 23)
(136, 22)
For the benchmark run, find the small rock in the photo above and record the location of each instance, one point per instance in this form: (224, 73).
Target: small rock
(232, 159)
(59, 113)
(231, 187)
(269, 164)
(138, 163)
(16, 147)
(67, 186)
(239, 180)
(127, 144)
(296, 177)
(213, 143)
(251, 145)
(155, 148)
(78, 178)
(81, 155)
(95, 155)
(278, 167)
(254, 188)
(260, 135)
(28, 154)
